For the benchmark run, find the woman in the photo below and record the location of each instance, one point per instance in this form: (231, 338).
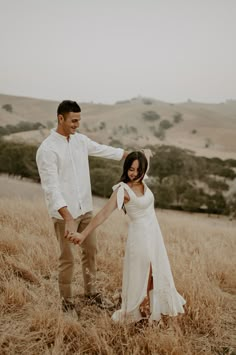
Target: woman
(148, 289)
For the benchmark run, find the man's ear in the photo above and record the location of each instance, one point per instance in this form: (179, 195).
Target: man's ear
(60, 118)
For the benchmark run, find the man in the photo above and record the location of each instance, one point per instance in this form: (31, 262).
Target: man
(62, 161)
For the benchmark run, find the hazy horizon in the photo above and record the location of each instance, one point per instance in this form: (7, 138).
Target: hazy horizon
(120, 100)
(107, 51)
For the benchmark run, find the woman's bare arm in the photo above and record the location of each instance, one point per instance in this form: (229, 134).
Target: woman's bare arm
(100, 217)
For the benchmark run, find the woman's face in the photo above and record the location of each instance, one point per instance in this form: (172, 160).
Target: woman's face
(133, 170)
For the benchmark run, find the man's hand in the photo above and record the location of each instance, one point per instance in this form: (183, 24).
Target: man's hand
(70, 226)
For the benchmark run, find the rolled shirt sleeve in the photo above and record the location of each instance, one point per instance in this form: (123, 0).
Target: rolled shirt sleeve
(104, 151)
(48, 171)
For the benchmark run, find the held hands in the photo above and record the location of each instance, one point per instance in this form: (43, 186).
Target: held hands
(70, 232)
(74, 237)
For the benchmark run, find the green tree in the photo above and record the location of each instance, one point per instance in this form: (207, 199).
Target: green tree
(216, 204)
(164, 195)
(193, 199)
(170, 160)
(217, 185)
(102, 181)
(18, 159)
(8, 107)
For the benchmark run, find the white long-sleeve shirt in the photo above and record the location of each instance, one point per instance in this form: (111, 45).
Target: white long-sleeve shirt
(64, 171)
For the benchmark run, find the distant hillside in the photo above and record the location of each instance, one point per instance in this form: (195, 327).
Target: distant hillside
(207, 129)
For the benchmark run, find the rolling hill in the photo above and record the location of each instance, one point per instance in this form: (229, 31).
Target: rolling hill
(207, 129)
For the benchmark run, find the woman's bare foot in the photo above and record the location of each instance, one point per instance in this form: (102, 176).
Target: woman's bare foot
(144, 308)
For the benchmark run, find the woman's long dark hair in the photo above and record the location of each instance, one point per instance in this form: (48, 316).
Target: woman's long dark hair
(143, 164)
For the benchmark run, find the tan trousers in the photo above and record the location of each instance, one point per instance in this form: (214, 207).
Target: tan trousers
(66, 258)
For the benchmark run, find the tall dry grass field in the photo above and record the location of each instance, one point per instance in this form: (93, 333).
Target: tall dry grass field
(202, 256)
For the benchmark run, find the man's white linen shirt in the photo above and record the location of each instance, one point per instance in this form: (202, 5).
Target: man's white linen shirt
(64, 171)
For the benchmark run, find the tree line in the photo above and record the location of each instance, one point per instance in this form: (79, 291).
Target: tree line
(22, 126)
(178, 179)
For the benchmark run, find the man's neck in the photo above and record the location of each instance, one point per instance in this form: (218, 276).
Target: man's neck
(61, 132)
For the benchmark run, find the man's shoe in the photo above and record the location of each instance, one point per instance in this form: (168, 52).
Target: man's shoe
(70, 307)
(67, 305)
(98, 300)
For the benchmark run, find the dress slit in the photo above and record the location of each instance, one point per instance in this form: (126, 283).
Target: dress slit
(147, 298)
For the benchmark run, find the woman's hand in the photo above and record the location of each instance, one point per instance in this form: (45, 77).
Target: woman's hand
(148, 154)
(76, 238)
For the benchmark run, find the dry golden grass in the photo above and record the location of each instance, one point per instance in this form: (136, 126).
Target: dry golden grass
(202, 255)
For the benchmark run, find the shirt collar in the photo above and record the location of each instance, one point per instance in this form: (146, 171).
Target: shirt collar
(59, 136)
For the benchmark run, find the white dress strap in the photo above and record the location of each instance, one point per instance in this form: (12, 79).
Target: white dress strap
(120, 187)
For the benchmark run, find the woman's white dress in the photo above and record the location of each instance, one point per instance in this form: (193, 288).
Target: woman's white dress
(145, 246)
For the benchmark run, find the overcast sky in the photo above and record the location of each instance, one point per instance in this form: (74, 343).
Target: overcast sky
(109, 50)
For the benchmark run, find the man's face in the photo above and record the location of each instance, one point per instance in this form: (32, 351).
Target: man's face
(69, 122)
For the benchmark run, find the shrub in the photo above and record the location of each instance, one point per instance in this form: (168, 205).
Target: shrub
(165, 124)
(102, 181)
(160, 133)
(122, 102)
(231, 162)
(216, 204)
(8, 107)
(232, 205)
(133, 129)
(217, 185)
(4, 131)
(125, 130)
(104, 174)
(193, 199)
(164, 195)
(151, 116)
(208, 143)
(102, 125)
(147, 102)
(22, 126)
(177, 117)
(225, 172)
(169, 161)
(115, 143)
(18, 159)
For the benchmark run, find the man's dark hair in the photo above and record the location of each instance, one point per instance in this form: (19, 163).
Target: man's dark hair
(67, 106)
